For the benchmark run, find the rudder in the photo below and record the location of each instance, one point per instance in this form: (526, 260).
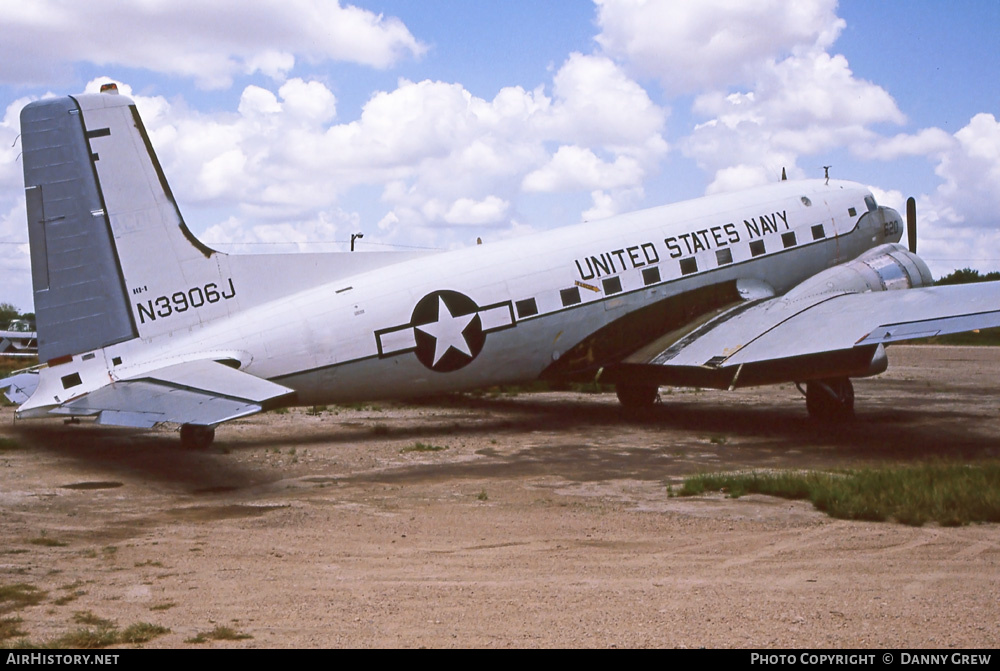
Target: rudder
(80, 299)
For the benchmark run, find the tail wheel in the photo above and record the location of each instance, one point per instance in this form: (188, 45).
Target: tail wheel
(830, 399)
(636, 396)
(196, 437)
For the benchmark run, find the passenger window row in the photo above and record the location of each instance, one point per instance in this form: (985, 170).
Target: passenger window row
(528, 307)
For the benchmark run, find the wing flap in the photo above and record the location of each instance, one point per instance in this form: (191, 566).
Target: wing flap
(196, 392)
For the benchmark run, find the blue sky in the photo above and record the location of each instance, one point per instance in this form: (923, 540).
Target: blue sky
(291, 125)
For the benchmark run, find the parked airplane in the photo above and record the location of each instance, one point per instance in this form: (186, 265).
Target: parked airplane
(140, 323)
(18, 339)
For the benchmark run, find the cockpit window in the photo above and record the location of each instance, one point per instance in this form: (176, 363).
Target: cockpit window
(870, 202)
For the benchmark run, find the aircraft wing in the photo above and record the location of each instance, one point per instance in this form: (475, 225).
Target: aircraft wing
(195, 392)
(821, 335)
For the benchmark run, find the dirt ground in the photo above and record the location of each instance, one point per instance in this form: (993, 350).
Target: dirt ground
(546, 520)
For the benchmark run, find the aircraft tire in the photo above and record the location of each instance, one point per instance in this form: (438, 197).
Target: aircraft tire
(196, 437)
(637, 396)
(831, 399)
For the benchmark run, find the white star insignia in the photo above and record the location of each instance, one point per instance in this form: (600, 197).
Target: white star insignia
(447, 332)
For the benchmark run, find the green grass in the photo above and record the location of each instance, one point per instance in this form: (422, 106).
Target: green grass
(423, 447)
(163, 606)
(220, 633)
(85, 638)
(44, 541)
(9, 628)
(8, 365)
(19, 595)
(105, 633)
(86, 617)
(140, 632)
(7, 444)
(68, 598)
(949, 494)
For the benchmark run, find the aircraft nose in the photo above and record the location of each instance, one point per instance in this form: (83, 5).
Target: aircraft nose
(892, 225)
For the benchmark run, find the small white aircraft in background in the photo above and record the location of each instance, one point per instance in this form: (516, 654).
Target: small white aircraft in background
(18, 339)
(140, 323)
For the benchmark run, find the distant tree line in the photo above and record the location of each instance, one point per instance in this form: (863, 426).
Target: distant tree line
(967, 276)
(9, 312)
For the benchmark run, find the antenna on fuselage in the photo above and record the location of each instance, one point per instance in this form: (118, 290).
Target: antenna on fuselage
(826, 172)
(784, 177)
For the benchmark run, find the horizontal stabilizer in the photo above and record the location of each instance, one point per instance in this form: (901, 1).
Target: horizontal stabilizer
(19, 388)
(196, 392)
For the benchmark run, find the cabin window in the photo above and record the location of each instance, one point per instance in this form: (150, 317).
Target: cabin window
(526, 308)
(689, 265)
(806, 201)
(852, 212)
(724, 256)
(612, 285)
(71, 380)
(756, 247)
(818, 232)
(650, 275)
(788, 239)
(570, 296)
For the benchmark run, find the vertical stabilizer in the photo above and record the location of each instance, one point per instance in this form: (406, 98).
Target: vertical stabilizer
(111, 256)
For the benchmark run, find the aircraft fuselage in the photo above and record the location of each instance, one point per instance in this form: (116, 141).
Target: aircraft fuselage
(498, 313)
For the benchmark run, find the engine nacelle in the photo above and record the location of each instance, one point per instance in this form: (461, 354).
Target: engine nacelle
(884, 268)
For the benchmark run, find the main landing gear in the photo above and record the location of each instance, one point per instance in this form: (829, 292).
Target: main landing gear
(637, 396)
(831, 399)
(197, 437)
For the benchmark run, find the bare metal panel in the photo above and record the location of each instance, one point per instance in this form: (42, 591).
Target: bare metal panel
(80, 301)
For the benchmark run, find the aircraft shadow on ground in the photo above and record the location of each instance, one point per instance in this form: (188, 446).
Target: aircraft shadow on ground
(740, 436)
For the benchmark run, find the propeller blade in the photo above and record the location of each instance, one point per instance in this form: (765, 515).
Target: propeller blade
(911, 223)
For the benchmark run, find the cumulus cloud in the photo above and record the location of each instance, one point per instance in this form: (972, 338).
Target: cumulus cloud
(443, 158)
(970, 170)
(926, 142)
(804, 105)
(183, 37)
(575, 167)
(694, 46)
(957, 220)
(326, 230)
(607, 204)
